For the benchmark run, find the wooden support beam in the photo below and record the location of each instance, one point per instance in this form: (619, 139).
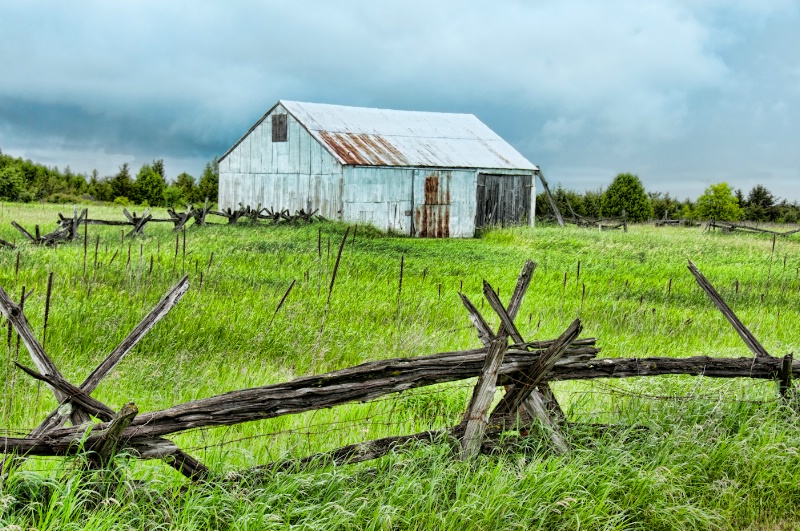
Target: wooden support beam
(785, 376)
(477, 415)
(485, 333)
(16, 317)
(550, 415)
(537, 409)
(550, 198)
(160, 448)
(507, 326)
(55, 419)
(23, 231)
(76, 395)
(748, 338)
(529, 379)
(106, 446)
(352, 453)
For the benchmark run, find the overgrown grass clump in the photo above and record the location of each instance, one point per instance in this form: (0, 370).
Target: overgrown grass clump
(673, 452)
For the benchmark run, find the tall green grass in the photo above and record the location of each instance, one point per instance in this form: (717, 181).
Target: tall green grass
(686, 453)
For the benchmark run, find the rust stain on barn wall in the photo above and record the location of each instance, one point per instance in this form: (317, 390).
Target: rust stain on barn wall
(433, 216)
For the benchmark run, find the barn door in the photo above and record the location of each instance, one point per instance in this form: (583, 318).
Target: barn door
(502, 200)
(432, 204)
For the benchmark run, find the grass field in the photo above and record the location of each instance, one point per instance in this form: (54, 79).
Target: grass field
(689, 452)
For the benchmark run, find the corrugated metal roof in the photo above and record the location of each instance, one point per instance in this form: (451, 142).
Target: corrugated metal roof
(380, 137)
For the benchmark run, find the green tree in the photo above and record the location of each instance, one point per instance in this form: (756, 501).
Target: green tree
(149, 186)
(718, 202)
(12, 183)
(121, 184)
(627, 194)
(593, 203)
(663, 203)
(173, 196)
(208, 187)
(185, 183)
(760, 204)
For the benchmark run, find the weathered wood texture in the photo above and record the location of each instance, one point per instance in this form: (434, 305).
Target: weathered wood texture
(748, 338)
(730, 227)
(55, 418)
(550, 199)
(361, 383)
(477, 417)
(316, 392)
(533, 376)
(13, 313)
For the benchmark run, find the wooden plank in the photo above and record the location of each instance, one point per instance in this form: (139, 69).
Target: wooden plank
(23, 231)
(748, 338)
(16, 317)
(507, 326)
(537, 409)
(785, 376)
(106, 446)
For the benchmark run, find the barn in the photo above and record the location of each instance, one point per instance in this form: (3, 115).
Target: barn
(423, 174)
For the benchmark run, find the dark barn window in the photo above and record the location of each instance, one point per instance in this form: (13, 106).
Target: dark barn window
(279, 127)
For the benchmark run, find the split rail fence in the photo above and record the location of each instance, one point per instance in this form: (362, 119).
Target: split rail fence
(67, 228)
(506, 358)
(730, 227)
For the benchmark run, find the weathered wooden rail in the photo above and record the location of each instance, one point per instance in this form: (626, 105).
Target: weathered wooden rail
(731, 227)
(524, 368)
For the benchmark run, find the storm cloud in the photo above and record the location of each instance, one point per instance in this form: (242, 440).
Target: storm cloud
(684, 94)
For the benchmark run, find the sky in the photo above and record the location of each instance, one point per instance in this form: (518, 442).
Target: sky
(682, 93)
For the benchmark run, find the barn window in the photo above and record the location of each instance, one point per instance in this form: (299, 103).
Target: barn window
(279, 133)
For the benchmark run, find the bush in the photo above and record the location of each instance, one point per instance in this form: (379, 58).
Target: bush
(64, 199)
(626, 194)
(718, 202)
(122, 201)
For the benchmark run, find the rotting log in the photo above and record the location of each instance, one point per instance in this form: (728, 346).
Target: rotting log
(351, 454)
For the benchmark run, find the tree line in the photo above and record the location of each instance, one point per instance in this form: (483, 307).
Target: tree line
(627, 194)
(26, 181)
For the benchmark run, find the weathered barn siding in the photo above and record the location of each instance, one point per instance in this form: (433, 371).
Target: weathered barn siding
(379, 196)
(295, 174)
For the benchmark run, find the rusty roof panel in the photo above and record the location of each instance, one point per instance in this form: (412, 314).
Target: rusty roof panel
(380, 137)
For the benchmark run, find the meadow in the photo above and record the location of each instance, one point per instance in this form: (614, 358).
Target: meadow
(680, 452)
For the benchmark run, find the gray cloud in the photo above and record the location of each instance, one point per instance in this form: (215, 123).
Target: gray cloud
(683, 93)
